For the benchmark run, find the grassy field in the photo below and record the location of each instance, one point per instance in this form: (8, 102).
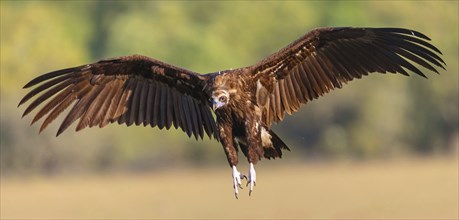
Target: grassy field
(414, 189)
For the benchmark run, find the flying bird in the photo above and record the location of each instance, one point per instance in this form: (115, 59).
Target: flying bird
(245, 101)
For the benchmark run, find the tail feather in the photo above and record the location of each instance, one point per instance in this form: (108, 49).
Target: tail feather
(278, 146)
(269, 152)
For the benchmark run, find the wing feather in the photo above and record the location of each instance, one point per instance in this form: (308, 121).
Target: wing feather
(126, 101)
(94, 107)
(284, 97)
(45, 86)
(128, 90)
(183, 120)
(326, 58)
(199, 120)
(194, 120)
(133, 110)
(296, 88)
(150, 104)
(142, 103)
(162, 107)
(187, 114)
(207, 120)
(310, 82)
(47, 95)
(107, 95)
(277, 97)
(176, 109)
(79, 108)
(294, 102)
(169, 110)
(120, 99)
(156, 106)
(51, 104)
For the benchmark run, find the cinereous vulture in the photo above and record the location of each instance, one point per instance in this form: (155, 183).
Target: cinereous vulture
(246, 101)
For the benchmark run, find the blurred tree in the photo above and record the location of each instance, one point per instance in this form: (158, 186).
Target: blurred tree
(102, 14)
(379, 116)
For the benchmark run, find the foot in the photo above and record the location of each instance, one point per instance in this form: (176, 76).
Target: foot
(252, 178)
(237, 180)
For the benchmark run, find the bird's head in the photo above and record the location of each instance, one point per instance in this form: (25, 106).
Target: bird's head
(219, 99)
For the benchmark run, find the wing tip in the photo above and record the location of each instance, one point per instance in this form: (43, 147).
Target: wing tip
(50, 75)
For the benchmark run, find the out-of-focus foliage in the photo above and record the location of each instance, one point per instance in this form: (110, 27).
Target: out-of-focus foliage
(379, 116)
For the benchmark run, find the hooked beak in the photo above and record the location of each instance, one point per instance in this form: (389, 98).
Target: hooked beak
(216, 105)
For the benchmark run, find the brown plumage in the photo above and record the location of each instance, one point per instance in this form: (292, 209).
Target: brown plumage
(128, 90)
(143, 91)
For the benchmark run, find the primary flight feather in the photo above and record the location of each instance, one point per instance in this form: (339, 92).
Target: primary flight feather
(246, 101)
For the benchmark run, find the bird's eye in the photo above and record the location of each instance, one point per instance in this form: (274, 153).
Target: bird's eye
(222, 99)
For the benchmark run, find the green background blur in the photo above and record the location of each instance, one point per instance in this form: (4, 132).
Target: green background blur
(378, 118)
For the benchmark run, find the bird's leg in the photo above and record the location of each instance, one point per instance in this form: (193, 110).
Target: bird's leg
(252, 178)
(237, 176)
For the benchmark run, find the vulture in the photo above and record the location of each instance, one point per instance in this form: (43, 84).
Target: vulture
(237, 107)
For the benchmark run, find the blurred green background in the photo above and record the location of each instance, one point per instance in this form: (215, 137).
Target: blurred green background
(379, 118)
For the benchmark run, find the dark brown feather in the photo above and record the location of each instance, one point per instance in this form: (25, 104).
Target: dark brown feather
(156, 107)
(52, 91)
(46, 86)
(325, 58)
(112, 104)
(78, 109)
(131, 89)
(176, 109)
(53, 103)
(150, 111)
(207, 120)
(194, 120)
(107, 96)
(162, 107)
(51, 75)
(133, 107)
(181, 109)
(294, 102)
(187, 113)
(125, 101)
(297, 86)
(199, 120)
(119, 107)
(142, 103)
(169, 110)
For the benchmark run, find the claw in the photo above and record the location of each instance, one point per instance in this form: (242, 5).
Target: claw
(237, 177)
(237, 181)
(252, 178)
(248, 182)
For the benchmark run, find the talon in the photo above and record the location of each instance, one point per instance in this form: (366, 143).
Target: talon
(252, 178)
(251, 183)
(236, 181)
(251, 187)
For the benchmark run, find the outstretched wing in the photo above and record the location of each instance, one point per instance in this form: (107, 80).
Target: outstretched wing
(325, 58)
(130, 90)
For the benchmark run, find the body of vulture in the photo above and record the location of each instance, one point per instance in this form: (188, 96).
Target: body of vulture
(246, 101)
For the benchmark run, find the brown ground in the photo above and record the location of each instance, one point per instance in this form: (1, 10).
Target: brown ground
(412, 189)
